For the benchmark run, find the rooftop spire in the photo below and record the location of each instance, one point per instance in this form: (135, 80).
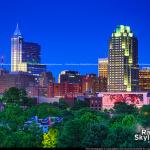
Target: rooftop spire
(17, 31)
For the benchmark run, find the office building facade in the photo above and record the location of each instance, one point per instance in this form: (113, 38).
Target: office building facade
(25, 56)
(103, 67)
(109, 99)
(46, 78)
(144, 79)
(69, 77)
(90, 83)
(19, 80)
(16, 52)
(123, 60)
(31, 52)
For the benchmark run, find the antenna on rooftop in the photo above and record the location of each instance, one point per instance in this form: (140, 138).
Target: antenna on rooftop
(2, 61)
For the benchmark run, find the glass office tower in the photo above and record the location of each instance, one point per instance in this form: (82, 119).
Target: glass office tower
(25, 56)
(123, 60)
(31, 52)
(31, 56)
(16, 52)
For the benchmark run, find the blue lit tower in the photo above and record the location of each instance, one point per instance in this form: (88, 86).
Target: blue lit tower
(25, 56)
(16, 51)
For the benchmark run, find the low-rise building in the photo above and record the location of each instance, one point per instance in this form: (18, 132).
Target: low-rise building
(45, 123)
(90, 83)
(96, 103)
(19, 80)
(144, 79)
(64, 89)
(136, 98)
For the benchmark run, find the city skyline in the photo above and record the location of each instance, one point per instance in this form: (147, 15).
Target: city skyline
(88, 38)
(75, 74)
(18, 33)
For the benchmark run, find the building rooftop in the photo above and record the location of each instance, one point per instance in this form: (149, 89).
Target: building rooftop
(122, 30)
(17, 31)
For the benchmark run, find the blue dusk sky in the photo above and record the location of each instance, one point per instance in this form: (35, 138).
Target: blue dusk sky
(74, 31)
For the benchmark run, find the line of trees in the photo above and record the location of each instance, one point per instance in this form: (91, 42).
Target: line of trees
(81, 126)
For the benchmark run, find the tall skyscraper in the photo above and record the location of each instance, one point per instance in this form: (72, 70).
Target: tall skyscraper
(103, 67)
(123, 60)
(16, 51)
(25, 56)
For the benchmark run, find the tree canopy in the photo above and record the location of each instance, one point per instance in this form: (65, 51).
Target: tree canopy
(81, 126)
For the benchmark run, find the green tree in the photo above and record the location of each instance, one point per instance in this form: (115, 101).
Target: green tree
(43, 110)
(11, 95)
(145, 115)
(75, 130)
(62, 104)
(9, 140)
(67, 115)
(80, 104)
(22, 138)
(117, 118)
(87, 113)
(3, 133)
(12, 116)
(15, 96)
(36, 135)
(120, 136)
(72, 134)
(124, 108)
(129, 120)
(95, 135)
(89, 117)
(50, 138)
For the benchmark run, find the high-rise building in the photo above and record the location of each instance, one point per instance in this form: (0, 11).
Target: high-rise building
(144, 79)
(16, 52)
(103, 67)
(31, 56)
(31, 52)
(25, 56)
(69, 77)
(123, 60)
